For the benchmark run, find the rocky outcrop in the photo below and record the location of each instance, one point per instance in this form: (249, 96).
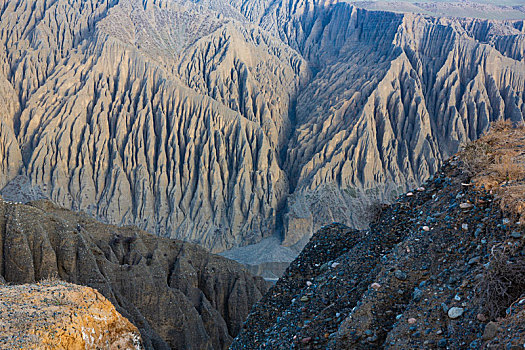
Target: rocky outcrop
(178, 295)
(59, 315)
(219, 122)
(441, 267)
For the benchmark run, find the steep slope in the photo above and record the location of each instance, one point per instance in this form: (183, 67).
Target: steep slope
(59, 315)
(178, 295)
(442, 267)
(216, 122)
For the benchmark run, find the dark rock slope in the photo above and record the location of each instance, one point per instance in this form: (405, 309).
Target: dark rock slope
(425, 275)
(178, 295)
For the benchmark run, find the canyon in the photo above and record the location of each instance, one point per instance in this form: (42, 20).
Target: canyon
(223, 123)
(140, 138)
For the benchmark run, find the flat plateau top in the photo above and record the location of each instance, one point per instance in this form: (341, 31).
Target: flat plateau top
(484, 9)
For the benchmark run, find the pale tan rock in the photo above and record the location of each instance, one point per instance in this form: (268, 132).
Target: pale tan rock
(58, 315)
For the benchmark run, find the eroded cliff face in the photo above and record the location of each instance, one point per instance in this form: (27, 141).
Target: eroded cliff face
(393, 97)
(178, 295)
(217, 122)
(58, 315)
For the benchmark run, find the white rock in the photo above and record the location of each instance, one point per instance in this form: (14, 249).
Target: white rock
(375, 285)
(455, 312)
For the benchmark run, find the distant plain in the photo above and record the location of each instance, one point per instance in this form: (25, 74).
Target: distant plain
(484, 9)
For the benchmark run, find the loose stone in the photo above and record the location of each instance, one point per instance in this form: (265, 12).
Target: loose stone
(491, 329)
(455, 312)
(466, 205)
(400, 275)
(375, 285)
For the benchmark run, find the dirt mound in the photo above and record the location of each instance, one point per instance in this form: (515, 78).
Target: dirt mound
(442, 267)
(59, 315)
